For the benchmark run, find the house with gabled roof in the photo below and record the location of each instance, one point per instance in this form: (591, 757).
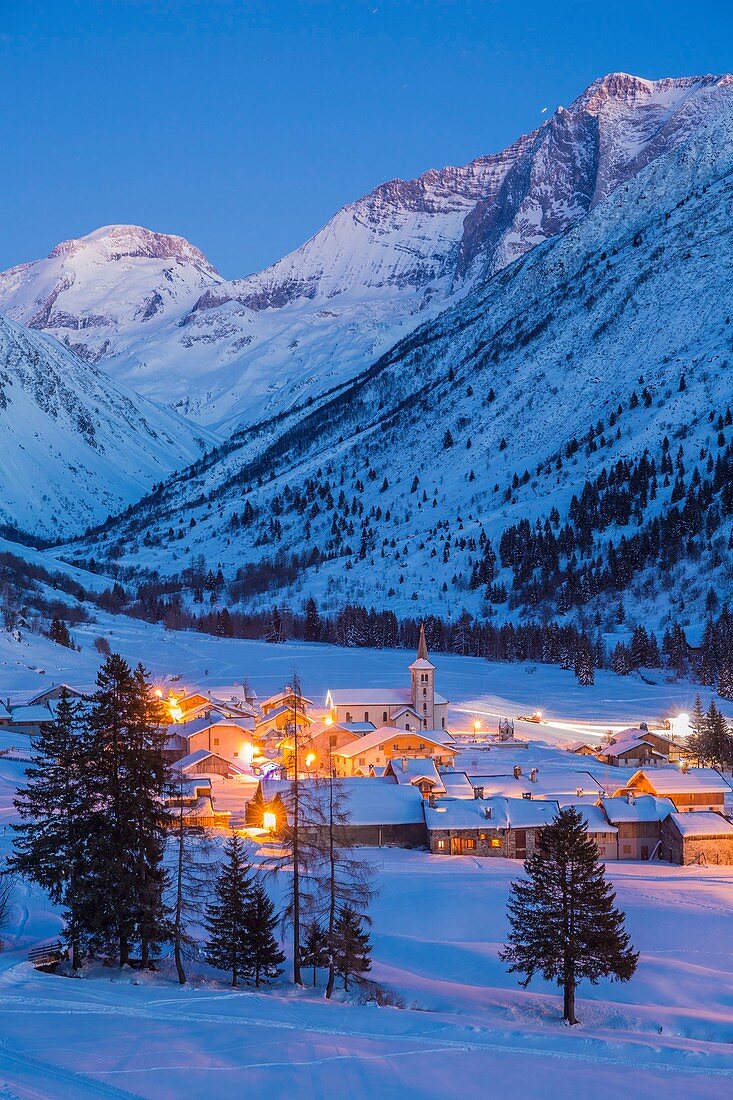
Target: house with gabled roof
(374, 751)
(695, 789)
(417, 771)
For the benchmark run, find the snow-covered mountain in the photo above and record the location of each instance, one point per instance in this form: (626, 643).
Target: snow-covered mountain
(77, 445)
(594, 347)
(155, 314)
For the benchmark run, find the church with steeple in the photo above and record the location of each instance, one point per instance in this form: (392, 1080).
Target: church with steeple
(419, 707)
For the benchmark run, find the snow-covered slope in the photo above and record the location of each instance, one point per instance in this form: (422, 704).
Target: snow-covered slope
(75, 444)
(624, 320)
(156, 315)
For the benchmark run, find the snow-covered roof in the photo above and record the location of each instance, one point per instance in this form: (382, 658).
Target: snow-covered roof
(366, 697)
(701, 823)
(372, 801)
(198, 725)
(457, 785)
(594, 818)
(412, 769)
(642, 807)
(4, 712)
(421, 664)
(505, 813)
(672, 780)
(621, 748)
(380, 736)
(199, 756)
(355, 727)
(31, 714)
(280, 696)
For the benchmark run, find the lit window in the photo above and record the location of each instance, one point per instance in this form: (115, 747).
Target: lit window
(216, 740)
(441, 845)
(469, 842)
(495, 842)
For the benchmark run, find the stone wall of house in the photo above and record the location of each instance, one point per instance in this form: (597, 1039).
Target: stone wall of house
(710, 850)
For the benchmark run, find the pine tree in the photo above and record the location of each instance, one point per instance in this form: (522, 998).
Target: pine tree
(55, 808)
(696, 739)
(564, 924)
(351, 947)
(584, 663)
(314, 949)
(129, 777)
(264, 954)
(312, 628)
(59, 633)
(227, 926)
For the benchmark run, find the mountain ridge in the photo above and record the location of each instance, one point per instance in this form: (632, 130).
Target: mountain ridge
(228, 352)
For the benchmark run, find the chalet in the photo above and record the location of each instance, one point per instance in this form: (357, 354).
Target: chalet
(193, 800)
(419, 772)
(233, 738)
(206, 762)
(696, 789)
(703, 837)
(419, 707)
(636, 747)
(582, 748)
(188, 707)
(487, 826)
(283, 712)
(381, 813)
(638, 821)
(50, 694)
(375, 750)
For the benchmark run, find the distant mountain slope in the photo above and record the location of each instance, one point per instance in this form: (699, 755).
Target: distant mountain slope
(76, 445)
(593, 348)
(156, 315)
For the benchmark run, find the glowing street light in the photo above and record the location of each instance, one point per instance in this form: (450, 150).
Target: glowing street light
(269, 821)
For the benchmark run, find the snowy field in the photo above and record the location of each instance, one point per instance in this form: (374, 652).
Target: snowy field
(468, 1029)
(478, 690)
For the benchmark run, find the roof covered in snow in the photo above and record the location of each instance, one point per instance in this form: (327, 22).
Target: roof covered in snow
(412, 769)
(373, 801)
(672, 780)
(642, 807)
(199, 725)
(594, 818)
(701, 823)
(387, 733)
(489, 813)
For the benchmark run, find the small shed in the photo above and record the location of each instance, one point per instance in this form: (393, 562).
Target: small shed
(702, 837)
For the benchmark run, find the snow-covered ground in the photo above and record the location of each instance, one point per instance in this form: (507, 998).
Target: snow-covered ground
(468, 1029)
(438, 924)
(479, 690)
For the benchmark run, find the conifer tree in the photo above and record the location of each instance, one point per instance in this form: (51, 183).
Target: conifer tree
(264, 953)
(584, 663)
(55, 807)
(227, 945)
(59, 633)
(696, 739)
(564, 924)
(314, 948)
(351, 947)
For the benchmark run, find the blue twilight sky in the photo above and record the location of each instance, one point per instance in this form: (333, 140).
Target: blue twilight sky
(244, 125)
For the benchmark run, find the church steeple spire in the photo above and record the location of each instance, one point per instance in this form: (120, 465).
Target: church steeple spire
(422, 645)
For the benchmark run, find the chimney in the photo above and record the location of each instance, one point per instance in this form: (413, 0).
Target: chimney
(517, 771)
(643, 726)
(488, 812)
(533, 775)
(478, 792)
(404, 763)
(431, 801)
